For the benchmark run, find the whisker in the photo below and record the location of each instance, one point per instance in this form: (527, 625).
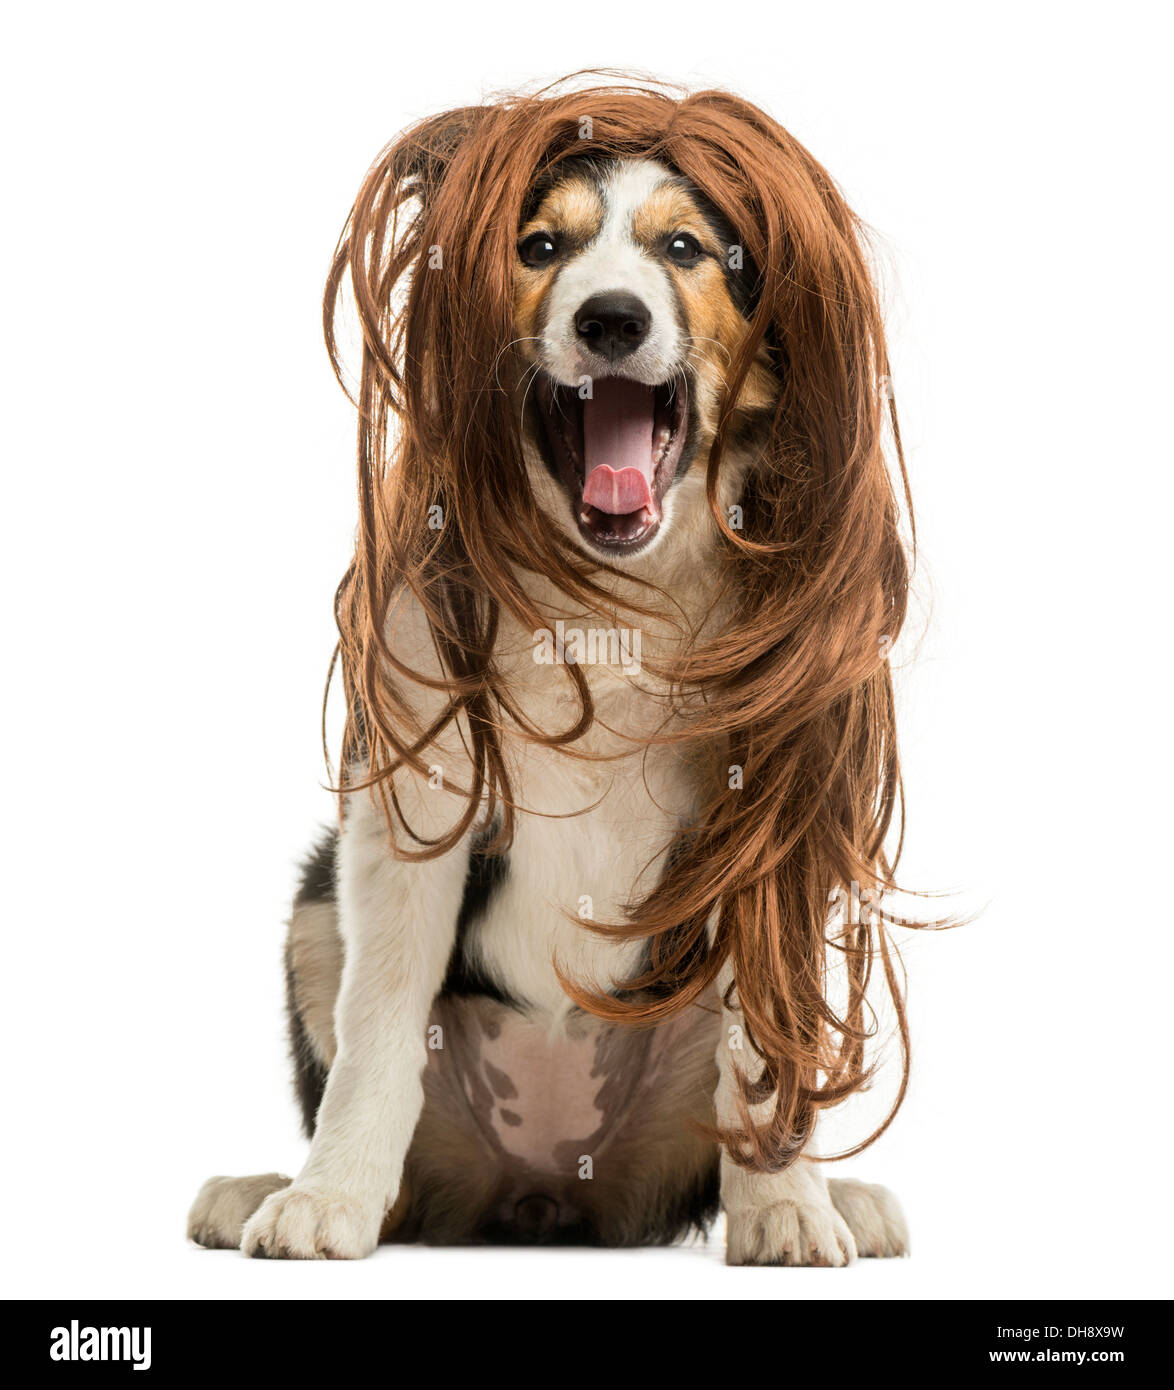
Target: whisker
(558, 400)
(701, 338)
(514, 343)
(532, 371)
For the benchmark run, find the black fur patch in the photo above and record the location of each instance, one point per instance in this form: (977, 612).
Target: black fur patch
(309, 1075)
(689, 1209)
(317, 885)
(318, 882)
(466, 975)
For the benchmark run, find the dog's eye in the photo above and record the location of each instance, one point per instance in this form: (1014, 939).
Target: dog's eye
(682, 248)
(538, 249)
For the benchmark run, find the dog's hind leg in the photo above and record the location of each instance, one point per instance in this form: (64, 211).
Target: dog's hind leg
(313, 964)
(223, 1205)
(397, 921)
(873, 1215)
(313, 972)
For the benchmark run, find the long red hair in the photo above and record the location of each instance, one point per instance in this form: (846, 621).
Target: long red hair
(795, 690)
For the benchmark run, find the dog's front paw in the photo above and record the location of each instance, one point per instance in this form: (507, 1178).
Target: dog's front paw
(788, 1233)
(301, 1223)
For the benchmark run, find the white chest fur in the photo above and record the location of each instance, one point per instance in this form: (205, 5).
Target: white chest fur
(591, 838)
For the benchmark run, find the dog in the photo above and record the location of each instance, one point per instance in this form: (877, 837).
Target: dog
(620, 729)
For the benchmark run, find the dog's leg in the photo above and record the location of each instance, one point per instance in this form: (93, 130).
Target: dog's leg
(398, 923)
(785, 1218)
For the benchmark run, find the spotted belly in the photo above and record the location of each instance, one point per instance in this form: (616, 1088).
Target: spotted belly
(580, 1132)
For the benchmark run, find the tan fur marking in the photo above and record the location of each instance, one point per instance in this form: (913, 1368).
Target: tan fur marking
(717, 331)
(669, 209)
(530, 286)
(572, 213)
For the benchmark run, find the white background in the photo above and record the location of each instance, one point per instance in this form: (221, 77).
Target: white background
(179, 507)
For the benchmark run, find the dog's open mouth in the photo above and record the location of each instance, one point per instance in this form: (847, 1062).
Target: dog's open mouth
(617, 452)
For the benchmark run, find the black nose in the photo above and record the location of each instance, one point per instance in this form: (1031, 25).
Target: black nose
(612, 325)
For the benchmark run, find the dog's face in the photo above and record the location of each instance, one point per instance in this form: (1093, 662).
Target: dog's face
(629, 306)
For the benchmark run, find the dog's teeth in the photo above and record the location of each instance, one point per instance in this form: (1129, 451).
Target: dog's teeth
(661, 444)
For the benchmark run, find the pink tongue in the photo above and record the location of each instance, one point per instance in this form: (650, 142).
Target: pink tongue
(617, 446)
